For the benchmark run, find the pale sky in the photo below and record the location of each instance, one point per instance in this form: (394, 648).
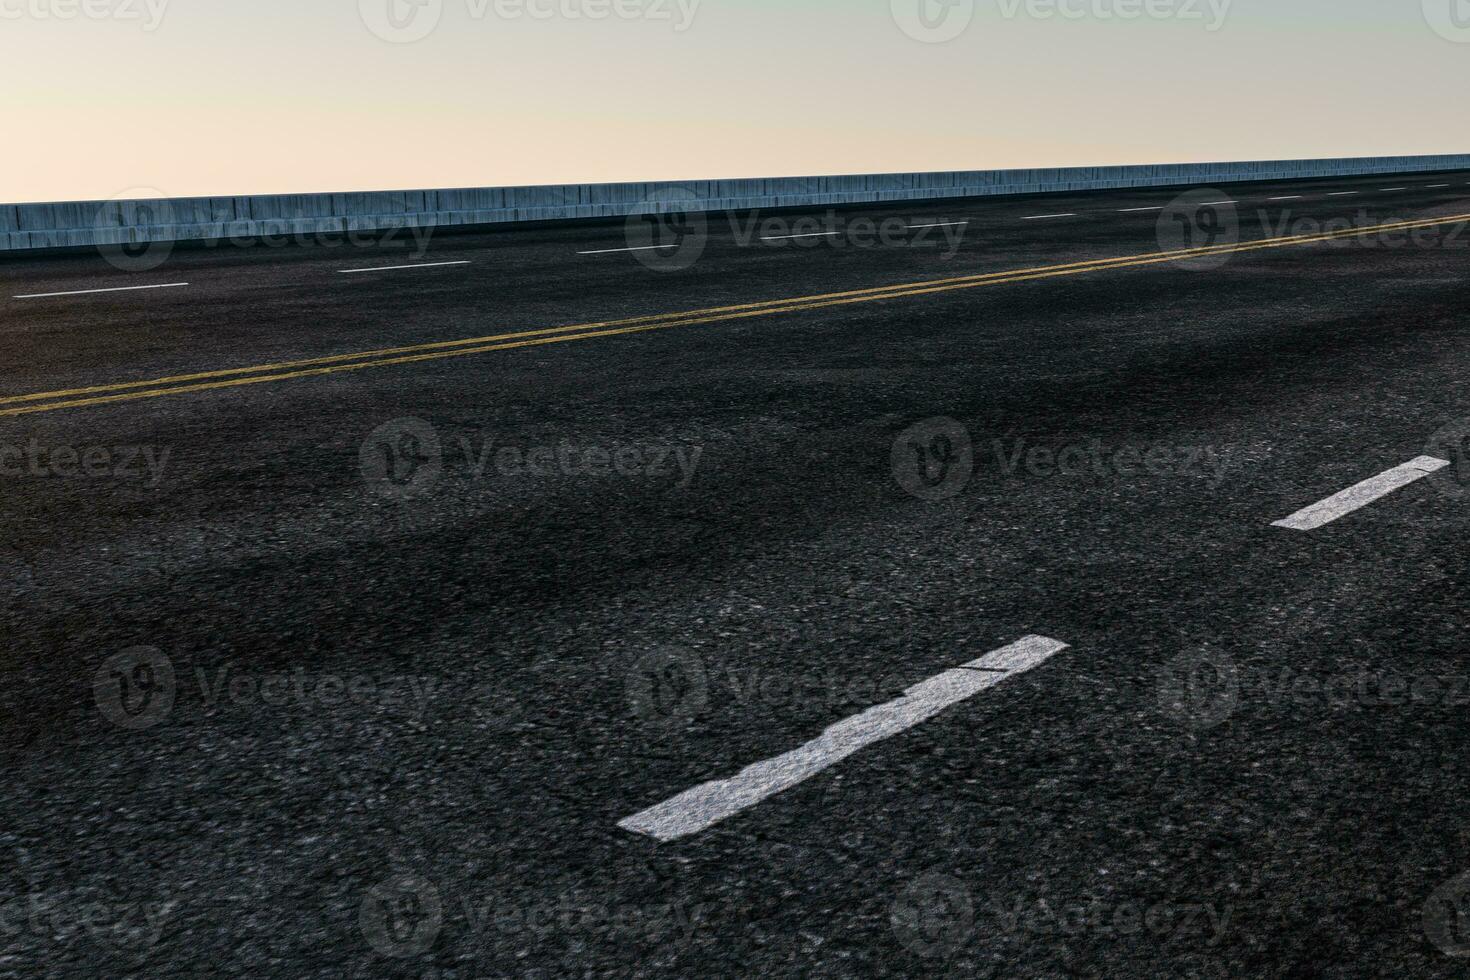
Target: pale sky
(193, 97)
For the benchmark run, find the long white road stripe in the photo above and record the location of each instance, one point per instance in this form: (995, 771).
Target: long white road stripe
(1039, 217)
(704, 806)
(392, 268)
(1343, 193)
(941, 224)
(1360, 496)
(1156, 207)
(1431, 187)
(640, 248)
(115, 289)
(814, 234)
(1291, 197)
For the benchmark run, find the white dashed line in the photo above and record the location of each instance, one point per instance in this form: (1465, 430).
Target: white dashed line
(1039, 217)
(1360, 496)
(394, 268)
(1343, 193)
(702, 807)
(115, 289)
(941, 224)
(1387, 189)
(1215, 204)
(1293, 197)
(1434, 187)
(640, 248)
(815, 234)
(1156, 207)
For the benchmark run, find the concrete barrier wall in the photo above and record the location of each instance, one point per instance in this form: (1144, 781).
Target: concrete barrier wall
(33, 226)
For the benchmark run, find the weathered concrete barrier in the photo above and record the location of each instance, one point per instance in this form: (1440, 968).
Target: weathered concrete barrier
(89, 223)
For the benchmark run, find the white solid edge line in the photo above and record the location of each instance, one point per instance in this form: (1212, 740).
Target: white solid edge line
(1038, 217)
(392, 268)
(814, 234)
(702, 807)
(1357, 497)
(640, 248)
(115, 289)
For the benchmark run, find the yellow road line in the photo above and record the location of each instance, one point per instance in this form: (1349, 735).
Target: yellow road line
(313, 367)
(765, 306)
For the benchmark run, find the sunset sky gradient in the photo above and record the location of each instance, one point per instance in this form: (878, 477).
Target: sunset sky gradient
(301, 95)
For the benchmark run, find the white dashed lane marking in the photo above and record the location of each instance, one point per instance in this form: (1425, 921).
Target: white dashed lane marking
(814, 234)
(1360, 496)
(114, 289)
(394, 268)
(1041, 217)
(640, 248)
(702, 807)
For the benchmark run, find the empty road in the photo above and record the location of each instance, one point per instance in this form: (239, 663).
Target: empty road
(1019, 587)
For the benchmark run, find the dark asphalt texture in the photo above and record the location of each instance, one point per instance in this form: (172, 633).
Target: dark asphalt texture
(1078, 821)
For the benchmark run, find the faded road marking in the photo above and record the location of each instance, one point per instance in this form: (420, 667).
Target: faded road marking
(703, 806)
(1361, 495)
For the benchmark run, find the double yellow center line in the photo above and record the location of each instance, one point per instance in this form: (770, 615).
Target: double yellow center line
(180, 384)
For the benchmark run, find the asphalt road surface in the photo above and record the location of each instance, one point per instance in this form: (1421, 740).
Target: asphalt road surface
(1029, 587)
